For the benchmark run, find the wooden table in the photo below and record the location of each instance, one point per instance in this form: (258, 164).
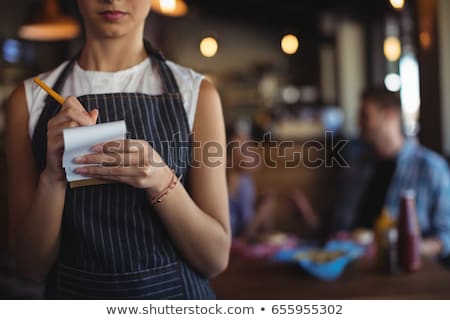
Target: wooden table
(250, 279)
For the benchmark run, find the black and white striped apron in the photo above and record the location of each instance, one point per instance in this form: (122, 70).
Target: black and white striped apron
(113, 243)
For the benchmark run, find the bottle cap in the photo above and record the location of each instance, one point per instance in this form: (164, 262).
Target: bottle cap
(384, 220)
(392, 235)
(409, 193)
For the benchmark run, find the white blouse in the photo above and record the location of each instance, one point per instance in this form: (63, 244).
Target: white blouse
(143, 78)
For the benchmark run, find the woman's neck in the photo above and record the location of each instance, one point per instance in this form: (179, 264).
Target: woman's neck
(112, 55)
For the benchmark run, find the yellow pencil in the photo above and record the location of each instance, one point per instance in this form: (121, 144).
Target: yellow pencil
(49, 90)
(59, 99)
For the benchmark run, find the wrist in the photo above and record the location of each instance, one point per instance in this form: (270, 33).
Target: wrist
(163, 179)
(157, 198)
(54, 180)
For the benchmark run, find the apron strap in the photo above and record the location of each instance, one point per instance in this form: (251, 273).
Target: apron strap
(50, 110)
(167, 77)
(62, 79)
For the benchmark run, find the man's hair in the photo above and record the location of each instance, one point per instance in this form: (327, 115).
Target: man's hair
(383, 97)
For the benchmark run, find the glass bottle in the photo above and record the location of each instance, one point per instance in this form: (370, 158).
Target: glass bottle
(408, 234)
(386, 241)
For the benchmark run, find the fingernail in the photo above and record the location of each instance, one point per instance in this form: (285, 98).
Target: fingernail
(81, 170)
(80, 159)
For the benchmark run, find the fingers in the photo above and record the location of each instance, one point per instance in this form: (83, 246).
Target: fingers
(57, 129)
(73, 110)
(122, 160)
(122, 146)
(143, 153)
(146, 154)
(113, 159)
(94, 115)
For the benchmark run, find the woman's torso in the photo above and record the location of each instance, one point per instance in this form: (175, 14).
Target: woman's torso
(113, 244)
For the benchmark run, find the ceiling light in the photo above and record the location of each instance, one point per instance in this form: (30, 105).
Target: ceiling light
(392, 48)
(50, 25)
(397, 4)
(209, 47)
(289, 44)
(393, 82)
(171, 8)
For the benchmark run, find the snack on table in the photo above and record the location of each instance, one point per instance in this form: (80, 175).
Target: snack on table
(277, 238)
(319, 256)
(264, 246)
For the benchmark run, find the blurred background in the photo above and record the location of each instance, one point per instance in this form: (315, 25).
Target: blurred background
(289, 67)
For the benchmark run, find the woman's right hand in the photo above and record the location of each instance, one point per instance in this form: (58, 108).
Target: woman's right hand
(72, 114)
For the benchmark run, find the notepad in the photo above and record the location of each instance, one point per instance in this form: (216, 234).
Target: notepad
(79, 141)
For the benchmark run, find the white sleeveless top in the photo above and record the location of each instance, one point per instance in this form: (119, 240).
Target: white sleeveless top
(143, 78)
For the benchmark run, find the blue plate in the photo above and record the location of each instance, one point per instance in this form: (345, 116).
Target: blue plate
(329, 270)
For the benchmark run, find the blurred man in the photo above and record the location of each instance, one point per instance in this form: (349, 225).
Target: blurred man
(384, 164)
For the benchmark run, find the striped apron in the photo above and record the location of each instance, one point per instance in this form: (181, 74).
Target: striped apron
(113, 243)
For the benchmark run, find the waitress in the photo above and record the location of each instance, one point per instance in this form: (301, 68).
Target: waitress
(161, 229)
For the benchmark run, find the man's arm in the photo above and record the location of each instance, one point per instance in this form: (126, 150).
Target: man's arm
(439, 243)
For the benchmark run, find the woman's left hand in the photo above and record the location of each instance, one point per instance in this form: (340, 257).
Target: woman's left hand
(133, 162)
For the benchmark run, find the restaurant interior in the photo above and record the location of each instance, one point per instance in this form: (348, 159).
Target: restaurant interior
(290, 75)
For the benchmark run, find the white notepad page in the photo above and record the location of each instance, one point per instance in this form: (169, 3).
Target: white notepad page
(79, 141)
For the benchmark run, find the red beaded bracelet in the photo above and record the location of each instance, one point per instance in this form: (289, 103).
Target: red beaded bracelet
(164, 193)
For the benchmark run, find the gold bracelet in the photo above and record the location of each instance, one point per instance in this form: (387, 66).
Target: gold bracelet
(165, 192)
